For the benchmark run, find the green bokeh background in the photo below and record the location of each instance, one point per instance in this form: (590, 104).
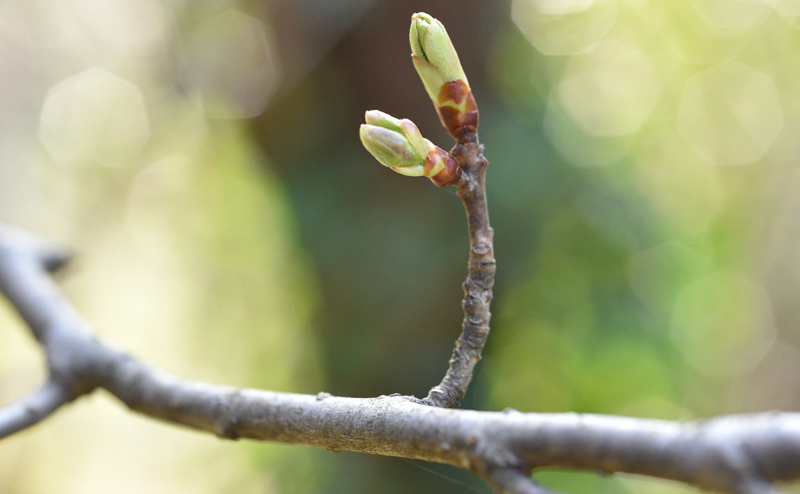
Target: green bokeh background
(202, 160)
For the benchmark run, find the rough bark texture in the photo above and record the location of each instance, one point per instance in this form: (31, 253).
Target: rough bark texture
(480, 277)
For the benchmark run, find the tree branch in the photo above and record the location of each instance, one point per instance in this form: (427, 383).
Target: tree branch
(480, 277)
(33, 408)
(738, 454)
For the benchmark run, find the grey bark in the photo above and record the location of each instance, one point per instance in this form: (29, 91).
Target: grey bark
(742, 454)
(480, 277)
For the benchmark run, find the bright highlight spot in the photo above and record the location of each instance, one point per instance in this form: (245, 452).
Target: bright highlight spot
(611, 95)
(561, 7)
(736, 15)
(723, 324)
(564, 27)
(785, 8)
(94, 118)
(730, 114)
(694, 41)
(229, 66)
(684, 193)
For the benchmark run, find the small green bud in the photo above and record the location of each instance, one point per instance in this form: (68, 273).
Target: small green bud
(394, 143)
(399, 145)
(433, 54)
(438, 66)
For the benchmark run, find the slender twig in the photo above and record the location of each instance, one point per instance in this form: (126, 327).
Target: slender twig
(33, 408)
(25, 261)
(514, 481)
(480, 277)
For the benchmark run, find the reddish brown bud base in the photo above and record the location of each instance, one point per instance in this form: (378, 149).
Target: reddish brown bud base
(451, 172)
(458, 110)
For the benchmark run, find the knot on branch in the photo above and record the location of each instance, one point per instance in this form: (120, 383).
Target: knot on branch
(477, 319)
(478, 283)
(473, 340)
(475, 302)
(482, 249)
(482, 266)
(445, 395)
(71, 360)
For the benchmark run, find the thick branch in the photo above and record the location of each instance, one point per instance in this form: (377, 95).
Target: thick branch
(740, 454)
(480, 278)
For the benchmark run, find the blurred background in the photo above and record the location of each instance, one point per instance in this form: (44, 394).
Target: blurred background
(202, 160)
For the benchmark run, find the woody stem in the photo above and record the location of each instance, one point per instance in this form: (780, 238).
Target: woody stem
(480, 277)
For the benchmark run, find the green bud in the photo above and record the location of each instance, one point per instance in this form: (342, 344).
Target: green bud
(395, 143)
(438, 66)
(380, 119)
(433, 54)
(399, 145)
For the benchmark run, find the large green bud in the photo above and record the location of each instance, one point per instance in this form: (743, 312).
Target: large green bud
(438, 66)
(399, 145)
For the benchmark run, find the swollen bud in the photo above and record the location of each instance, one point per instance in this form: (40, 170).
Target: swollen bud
(394, 143)
(442, 168)
(399, 145)
(438, 66)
